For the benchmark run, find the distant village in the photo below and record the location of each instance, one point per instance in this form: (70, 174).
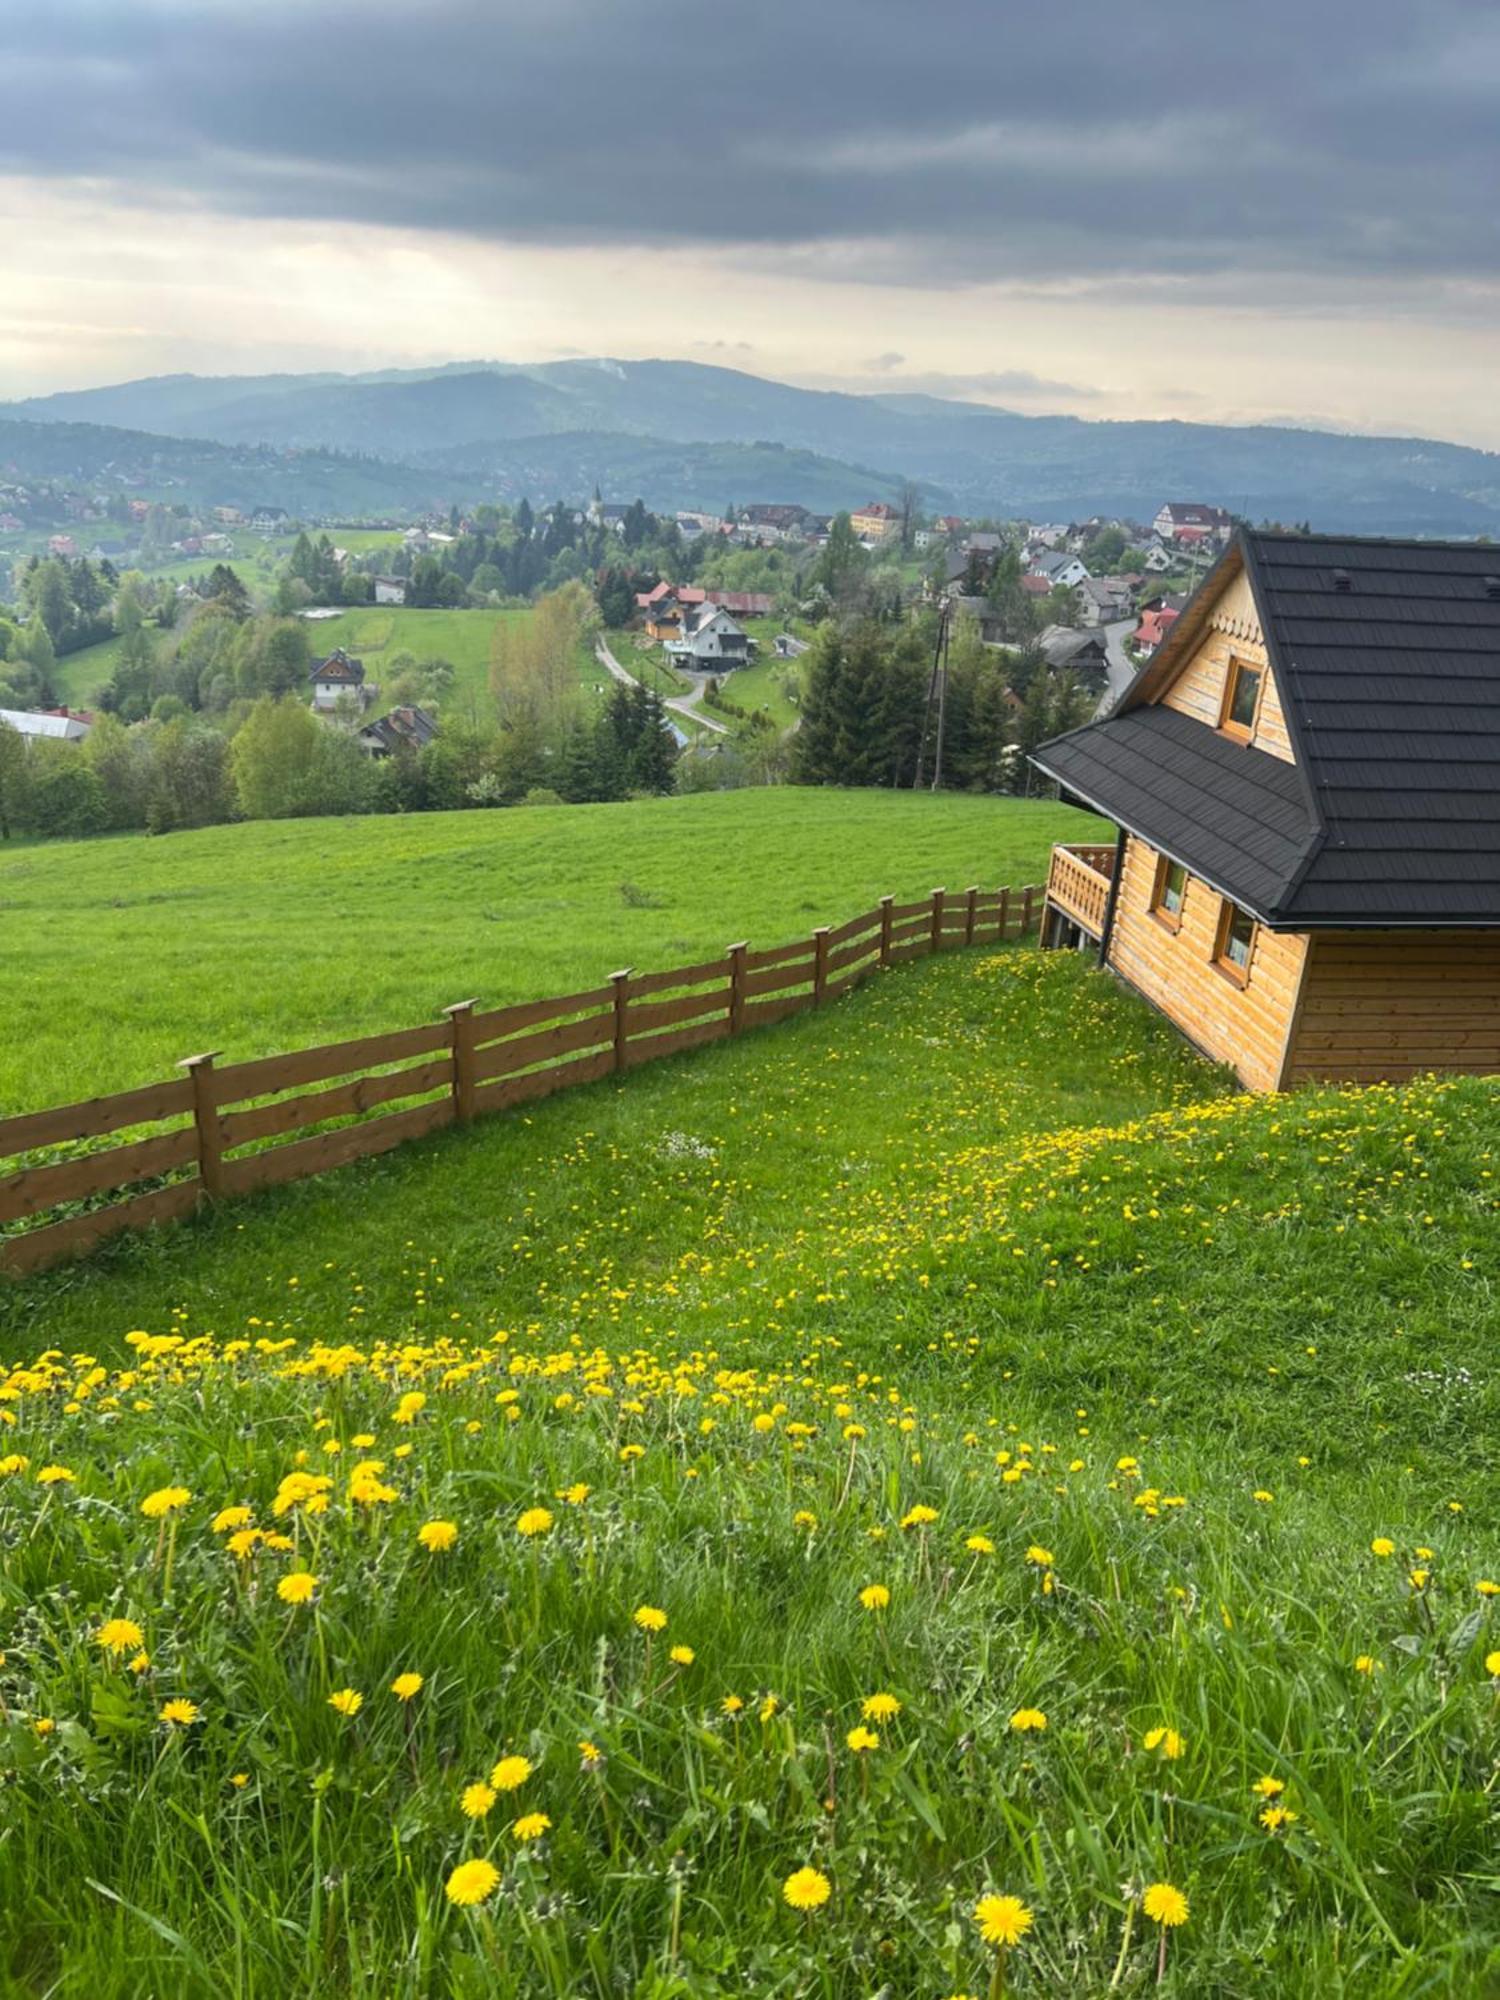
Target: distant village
(1106, 591)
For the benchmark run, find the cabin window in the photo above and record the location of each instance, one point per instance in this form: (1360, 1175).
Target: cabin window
(1169, 892)
(1232, 946)
(1241, 694)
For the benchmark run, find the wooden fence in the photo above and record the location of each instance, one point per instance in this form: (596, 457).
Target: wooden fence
(467, 1063)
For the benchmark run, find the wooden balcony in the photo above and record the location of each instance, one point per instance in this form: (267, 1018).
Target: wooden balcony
(1077, 892)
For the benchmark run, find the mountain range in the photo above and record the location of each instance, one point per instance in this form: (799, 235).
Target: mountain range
(681, 434)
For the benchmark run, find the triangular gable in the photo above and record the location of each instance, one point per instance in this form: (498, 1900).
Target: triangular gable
(1191, 667)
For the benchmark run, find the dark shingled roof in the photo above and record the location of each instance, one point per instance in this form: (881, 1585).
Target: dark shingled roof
(1387, 658)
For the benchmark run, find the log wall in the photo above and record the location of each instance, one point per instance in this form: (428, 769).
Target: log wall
(1245, 1026)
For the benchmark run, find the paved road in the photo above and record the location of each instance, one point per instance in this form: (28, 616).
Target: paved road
(1120, 671)
(687, 704)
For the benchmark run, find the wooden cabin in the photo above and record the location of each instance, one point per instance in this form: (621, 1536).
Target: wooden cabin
(1305, 780)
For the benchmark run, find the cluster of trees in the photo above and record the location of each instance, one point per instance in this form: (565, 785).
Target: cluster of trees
(208, 720)
(71, 598)
(865, 707)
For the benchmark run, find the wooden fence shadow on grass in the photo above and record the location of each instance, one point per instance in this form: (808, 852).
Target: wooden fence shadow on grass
(234, 1129)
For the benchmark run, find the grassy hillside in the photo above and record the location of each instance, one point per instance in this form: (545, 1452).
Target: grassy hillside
(373, 633)
(1156, 1418)
(123, 955)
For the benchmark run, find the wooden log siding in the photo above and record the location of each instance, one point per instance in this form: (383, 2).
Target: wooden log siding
(447, 1072)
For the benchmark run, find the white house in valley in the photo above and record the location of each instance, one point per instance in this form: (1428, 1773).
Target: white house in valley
(711, 640)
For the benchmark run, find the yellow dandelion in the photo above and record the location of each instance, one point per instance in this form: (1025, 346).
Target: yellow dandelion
(531, 1826)
(682, 1656)
(1492, 1663)
(650, 1618)
(1028, 1719)
(436, 1536)
(1269, 1788)
(510, 1774)
(1276, 1818)
(535, 1521)
(182, 1713)
(859, 1738)
(55, 1475)
(1382, 1546)
(297, 1588)
(1003, 1920)
(879, 1707)
(118, 1635)
(875, 1597)
(1165, 1905)
(1167, 1741)
(919, 1517)
(404, 1686)
(1039, 1558)
(1366, 1663)
(471, 1882)
(476, 1800)
(806, 1889)
(229, 1518)
(165, 1500)
(348, 1701)
(980, 1545)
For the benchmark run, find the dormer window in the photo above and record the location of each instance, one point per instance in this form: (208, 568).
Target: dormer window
(1241, 699)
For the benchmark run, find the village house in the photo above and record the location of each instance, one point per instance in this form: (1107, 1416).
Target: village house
(389, 590)
(1156, 622)
(340, 679)
(1190, 520)
(58, 725)
(1062, 572)
(1102, 599)
(876, 521)
(1085, 655)
(712, 640)
(405, 728)
(1306, 785)
(777, 519)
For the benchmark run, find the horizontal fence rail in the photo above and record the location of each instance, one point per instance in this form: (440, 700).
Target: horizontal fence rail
(241, 1126)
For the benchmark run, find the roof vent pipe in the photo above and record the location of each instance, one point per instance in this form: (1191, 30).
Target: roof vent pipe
(1342, 580)
(1492, 586)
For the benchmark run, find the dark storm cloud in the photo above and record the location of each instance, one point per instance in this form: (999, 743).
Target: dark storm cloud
(973, 141)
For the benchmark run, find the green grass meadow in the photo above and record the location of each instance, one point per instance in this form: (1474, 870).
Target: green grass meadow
(124, 954)
(953, 1444)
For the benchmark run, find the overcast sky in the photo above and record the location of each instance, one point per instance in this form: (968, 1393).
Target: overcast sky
(1284, 211)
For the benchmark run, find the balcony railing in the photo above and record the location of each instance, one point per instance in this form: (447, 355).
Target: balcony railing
(1078, 885)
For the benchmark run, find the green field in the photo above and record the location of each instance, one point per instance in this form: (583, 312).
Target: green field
(1157, 1418)
(79, 676)
(123, 954)
(374, 634)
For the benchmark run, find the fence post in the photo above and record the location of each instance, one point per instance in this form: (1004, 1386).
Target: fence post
(820, 964)
(938, 896)
(461, 1046)
(1026, 895)
(737, 987)
(200, 1071)
(621, 983)
(1004, 913)
(885, 929)
(971, 911)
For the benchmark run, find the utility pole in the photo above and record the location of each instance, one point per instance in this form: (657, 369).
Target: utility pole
(937, 698)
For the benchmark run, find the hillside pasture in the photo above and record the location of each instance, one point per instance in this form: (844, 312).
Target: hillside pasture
(124, 954)
(953, 1444)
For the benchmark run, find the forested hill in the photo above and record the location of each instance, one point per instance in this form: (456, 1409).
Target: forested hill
(679, 427)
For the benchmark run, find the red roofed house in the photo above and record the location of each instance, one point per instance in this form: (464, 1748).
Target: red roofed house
(1153, 628)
